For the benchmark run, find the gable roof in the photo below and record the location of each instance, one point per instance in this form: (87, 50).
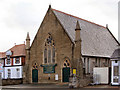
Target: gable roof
(116, 54)
(97, 40)
(18, 50)
(2, 54)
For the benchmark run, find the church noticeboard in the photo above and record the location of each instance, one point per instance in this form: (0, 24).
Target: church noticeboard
(49, 68)
(74, 71)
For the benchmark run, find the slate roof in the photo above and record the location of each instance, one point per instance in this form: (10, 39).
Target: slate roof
(116, 54)
(97, 40)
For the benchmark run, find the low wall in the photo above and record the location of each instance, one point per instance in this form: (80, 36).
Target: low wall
(84, 82)
(12, 81)
(75, 82)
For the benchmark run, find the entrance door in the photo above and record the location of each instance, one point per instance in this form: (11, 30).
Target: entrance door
(66, 74)
(66, 70)
(116, 75)
(34, 75)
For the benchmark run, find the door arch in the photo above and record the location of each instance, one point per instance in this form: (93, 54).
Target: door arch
(66, 70)
(35, 73)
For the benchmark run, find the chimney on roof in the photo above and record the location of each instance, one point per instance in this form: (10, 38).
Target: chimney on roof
(107, 26)
(27, 41)
(49, 6)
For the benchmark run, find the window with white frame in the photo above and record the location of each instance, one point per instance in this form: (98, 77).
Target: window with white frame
(8, 59)
(9, 73)
(17, 60)
(49, 50)
(18, 72)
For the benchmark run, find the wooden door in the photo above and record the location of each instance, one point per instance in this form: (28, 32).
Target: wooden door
(34, 75)
(66, 74)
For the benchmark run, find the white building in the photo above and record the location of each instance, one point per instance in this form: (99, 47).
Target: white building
(115, 68)
(14, 60)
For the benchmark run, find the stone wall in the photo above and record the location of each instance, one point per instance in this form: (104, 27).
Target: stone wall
(12, 81)
(94, 62)
(63, 46)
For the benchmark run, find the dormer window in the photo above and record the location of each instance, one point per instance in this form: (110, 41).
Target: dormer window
(17, 60)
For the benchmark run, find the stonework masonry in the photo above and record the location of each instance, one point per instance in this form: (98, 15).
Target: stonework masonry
(62, 43)
(69, 47)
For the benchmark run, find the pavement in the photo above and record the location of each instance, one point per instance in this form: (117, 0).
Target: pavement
(54, 87)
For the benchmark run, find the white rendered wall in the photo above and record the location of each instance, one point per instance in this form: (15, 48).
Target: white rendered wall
(2, 76)
(13, 72)
(112, 73)
(102, 74)
(15, 63)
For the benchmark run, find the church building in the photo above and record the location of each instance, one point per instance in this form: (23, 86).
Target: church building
(66, 45)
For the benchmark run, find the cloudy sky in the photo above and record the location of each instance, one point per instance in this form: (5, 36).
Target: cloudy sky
(17, 17)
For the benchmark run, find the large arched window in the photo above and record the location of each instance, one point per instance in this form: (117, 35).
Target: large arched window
(49, 50)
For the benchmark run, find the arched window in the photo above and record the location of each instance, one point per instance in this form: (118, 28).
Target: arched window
(49, 50)
(66, 63)
(45, 55)
(53, 54)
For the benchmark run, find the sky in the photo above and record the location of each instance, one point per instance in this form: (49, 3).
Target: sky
(17, 17)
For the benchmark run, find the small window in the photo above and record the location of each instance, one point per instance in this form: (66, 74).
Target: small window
(18, 72)
(66, 63)
(35, 66)
(106, 61)
(17, 61)
(115, 61)
(84, 63)
(99, 62)
(8, 59)
(116, 71)
(88, 65)
(9, 73)
(96, 61)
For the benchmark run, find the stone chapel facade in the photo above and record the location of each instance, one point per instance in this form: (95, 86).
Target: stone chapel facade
(63, 43)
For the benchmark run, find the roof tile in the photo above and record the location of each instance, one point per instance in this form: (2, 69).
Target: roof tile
(97, 40)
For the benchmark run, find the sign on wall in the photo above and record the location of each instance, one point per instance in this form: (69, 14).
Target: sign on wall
(49, 68)
(74, 71)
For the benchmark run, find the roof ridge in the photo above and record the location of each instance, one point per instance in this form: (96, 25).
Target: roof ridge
(2, 52)
(19, 44)
(16, 46)
(78, 18)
